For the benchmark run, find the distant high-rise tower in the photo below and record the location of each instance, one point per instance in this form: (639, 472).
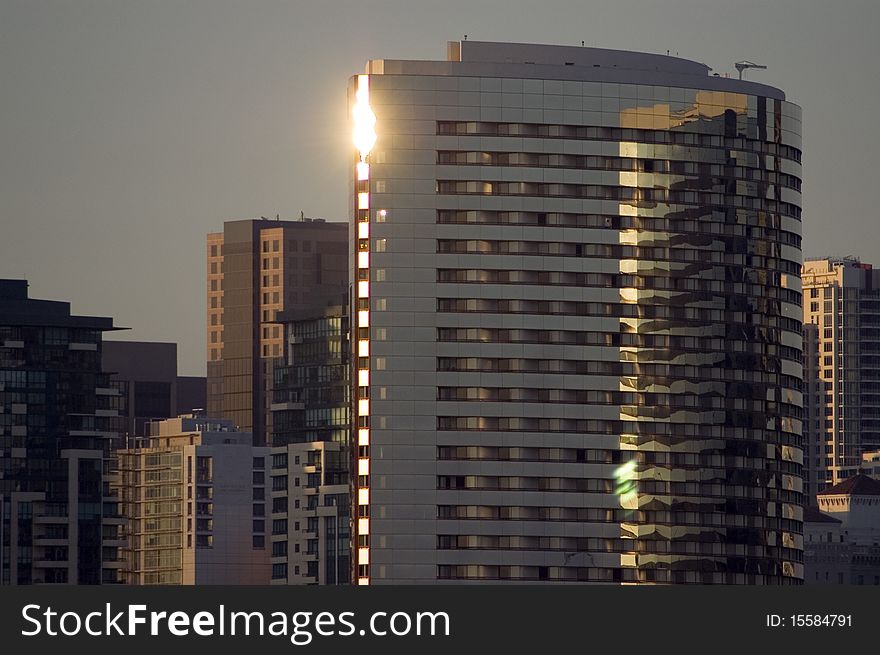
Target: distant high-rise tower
(256, 269)
(58, 519)
(841, 368)
(578, 320)
(311, 456)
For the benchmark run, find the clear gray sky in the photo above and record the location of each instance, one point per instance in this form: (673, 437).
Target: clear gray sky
(128, 130)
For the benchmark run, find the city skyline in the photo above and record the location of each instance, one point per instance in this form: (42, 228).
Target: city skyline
(143, 129)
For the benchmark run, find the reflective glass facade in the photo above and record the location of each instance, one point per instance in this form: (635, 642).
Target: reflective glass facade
(311, 454)
(578, 310)
(59, 520)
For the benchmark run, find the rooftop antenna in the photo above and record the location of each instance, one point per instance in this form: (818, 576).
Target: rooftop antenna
(302, 215)
(743, 65)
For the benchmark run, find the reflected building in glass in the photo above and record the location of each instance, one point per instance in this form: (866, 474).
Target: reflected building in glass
(577, 320)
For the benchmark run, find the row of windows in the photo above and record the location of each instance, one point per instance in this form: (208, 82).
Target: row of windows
(730, 483)
(728, 197)
(747, 333)
(653, 429)
(730, 222)
(50, 336)
(615, 310)
(740, 378)
(583, 546)
(749, 456)
(708, 173)
(609, 281)
(744, 534)
(616, 134)
(751, 572)
(594, 397)
(734, 252)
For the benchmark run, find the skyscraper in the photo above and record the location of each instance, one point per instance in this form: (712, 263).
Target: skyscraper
(841, 368)
(58, 519)
(256, 269)
(577, 320)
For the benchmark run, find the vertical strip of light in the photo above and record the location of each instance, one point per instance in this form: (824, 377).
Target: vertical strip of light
(364, 137)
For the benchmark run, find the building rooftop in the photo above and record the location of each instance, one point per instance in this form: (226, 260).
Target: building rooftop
(558, 62)
(19, 310)
(858, 485)
(813, 515)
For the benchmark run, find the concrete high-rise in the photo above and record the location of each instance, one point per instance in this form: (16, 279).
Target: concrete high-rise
(841, 369)
(577, 320)
(58, 518)
(194, 496)
(256, 269)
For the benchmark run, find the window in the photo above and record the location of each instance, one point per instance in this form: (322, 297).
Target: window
(259, 541)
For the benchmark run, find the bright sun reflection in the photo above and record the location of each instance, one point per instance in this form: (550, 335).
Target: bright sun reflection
(364, 134)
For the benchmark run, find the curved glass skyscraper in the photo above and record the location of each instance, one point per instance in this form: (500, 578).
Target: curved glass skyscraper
(577, 320)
